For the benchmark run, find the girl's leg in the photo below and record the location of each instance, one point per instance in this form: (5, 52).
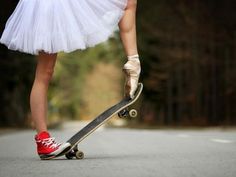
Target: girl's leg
(47, 147)
(38, 96)
(132, 68)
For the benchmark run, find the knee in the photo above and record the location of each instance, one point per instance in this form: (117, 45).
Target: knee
(45, 76)
(131, 4)
(48, 75)
(45, 67)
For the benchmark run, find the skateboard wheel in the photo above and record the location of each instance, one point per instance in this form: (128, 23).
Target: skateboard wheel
(70, 155)
(133, 113)
(79, 154)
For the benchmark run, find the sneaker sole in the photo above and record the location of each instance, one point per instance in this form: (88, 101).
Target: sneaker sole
(52, 156)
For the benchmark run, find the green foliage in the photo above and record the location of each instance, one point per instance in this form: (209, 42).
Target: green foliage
(69, 78)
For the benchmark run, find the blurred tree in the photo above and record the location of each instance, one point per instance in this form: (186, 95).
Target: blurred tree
(188, 52)
(16, 76)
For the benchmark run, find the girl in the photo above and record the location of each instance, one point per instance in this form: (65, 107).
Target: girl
(46, 27)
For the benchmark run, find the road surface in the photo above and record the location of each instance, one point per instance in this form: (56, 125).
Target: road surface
(126, 153)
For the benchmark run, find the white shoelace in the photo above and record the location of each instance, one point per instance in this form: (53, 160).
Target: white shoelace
(50, 142)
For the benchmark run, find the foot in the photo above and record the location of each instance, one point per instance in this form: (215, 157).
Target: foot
(47, 147)
(132, 71)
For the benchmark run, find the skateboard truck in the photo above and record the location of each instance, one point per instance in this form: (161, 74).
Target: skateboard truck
(126, 112)
(75, 152)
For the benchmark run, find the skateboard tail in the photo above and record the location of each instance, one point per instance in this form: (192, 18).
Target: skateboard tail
(66, 150)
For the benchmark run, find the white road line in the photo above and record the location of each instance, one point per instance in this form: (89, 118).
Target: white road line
(221, 140)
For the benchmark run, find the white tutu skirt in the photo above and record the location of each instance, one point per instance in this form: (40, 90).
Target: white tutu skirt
(61, 25)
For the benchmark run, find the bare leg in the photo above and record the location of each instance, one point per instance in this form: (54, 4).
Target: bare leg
(38, 96)
(132, 68)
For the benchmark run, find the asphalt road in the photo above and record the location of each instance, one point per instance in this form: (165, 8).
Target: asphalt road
(126, 153)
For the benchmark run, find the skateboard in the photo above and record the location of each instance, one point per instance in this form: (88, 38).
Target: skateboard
(121, 108)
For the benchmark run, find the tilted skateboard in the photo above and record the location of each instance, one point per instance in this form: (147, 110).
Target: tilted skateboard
(121, 108)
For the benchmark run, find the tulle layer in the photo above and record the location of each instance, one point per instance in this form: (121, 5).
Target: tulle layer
(61, 25)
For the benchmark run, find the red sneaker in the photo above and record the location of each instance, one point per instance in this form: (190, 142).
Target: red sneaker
(47, 147)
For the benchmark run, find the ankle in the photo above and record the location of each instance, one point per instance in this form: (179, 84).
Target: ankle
(42, 135)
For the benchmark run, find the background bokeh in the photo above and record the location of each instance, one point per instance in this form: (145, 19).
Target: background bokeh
(187, 51)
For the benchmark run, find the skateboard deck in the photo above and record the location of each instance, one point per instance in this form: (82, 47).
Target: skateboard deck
(72, 150)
